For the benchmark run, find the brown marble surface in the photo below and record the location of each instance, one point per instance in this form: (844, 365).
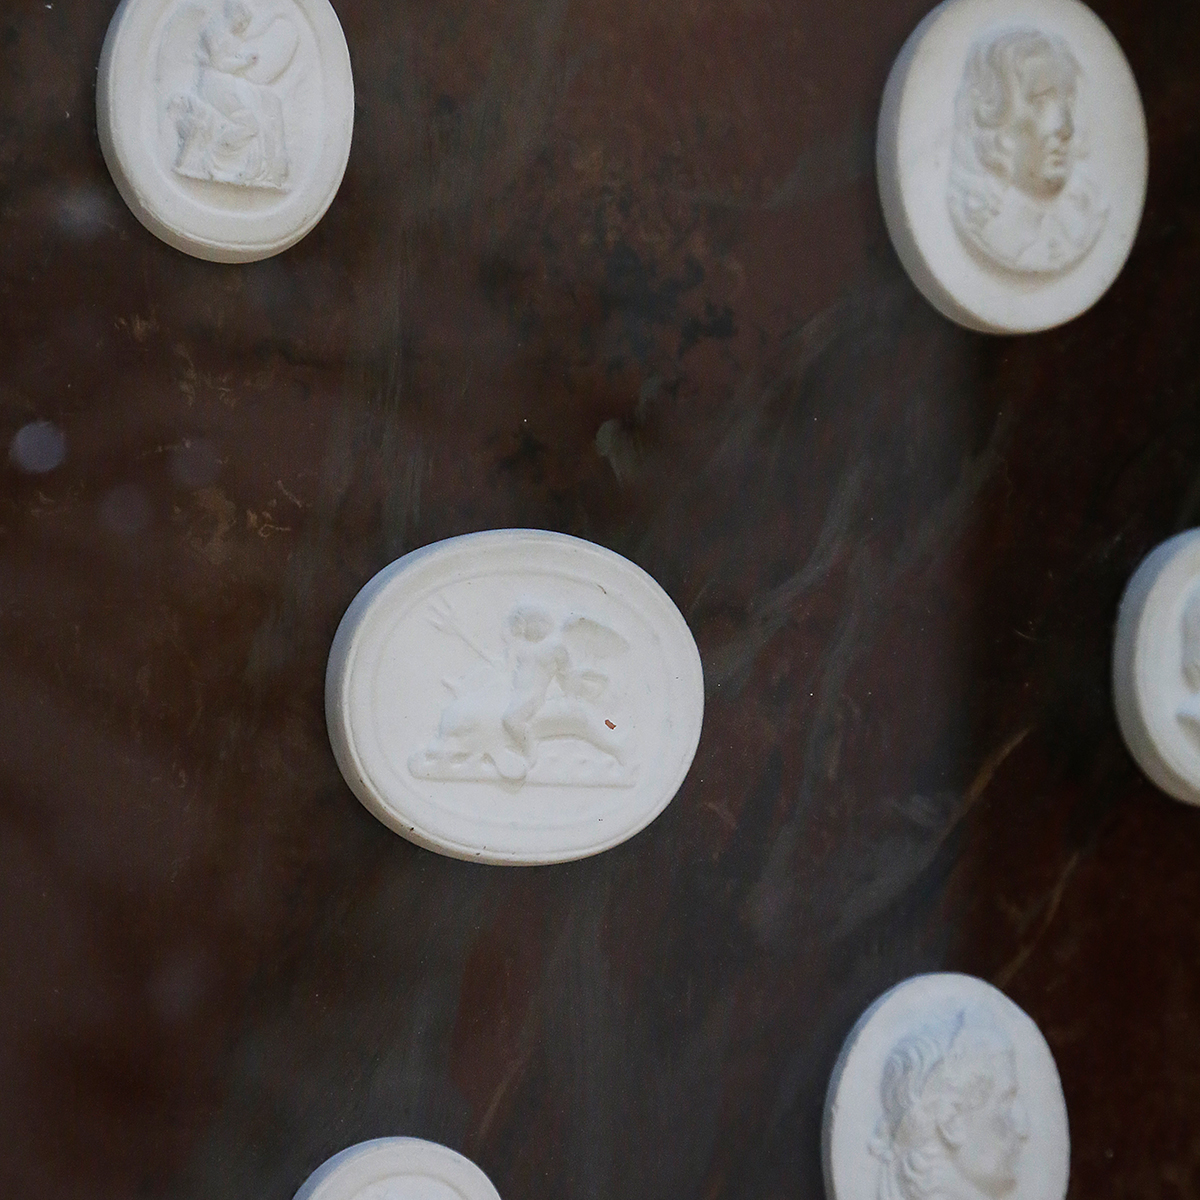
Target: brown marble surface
(616, 269)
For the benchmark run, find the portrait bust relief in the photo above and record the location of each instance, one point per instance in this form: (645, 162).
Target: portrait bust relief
(945, 1090)
(1019, 195)
(953, 1124)
(1012, 159)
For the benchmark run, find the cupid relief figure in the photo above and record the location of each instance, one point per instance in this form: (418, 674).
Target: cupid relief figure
(538, 712)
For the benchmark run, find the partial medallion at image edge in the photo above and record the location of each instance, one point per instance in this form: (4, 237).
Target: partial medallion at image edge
(1156, 666)
(397, 1168)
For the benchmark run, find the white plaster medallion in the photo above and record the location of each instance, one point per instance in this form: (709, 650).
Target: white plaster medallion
(1012, 161)
(945, 1090)
(226, 124)
(514, 696)
(1156, 666)
(398, 1169)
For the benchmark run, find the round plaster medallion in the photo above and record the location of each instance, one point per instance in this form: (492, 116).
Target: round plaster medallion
(1156, 666)
(945, 1090)
(1012, 160)
(398, 1169)
(514, 696)
(226, 124)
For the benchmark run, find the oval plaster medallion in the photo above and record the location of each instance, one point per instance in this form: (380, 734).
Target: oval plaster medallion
(945, 1090)
(1156, 666)
(1012, 161)
(398, 1169)
(514, 696)
(226, 124)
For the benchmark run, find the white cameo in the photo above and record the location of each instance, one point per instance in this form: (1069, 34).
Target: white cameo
(1019, 194)
(1012, 160)
(514, 696)
(1156, 666)
(945, 1090)
(226, 124)
(953, 1124)
(397, 1168)
(231, 124)
(541, 690)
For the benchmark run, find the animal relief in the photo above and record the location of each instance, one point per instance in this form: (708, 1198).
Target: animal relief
(540, 708)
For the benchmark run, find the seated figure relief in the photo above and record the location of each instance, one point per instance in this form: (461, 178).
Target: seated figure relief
(539, 711)
(1018, 196)
(953, 1124)
(231, 124)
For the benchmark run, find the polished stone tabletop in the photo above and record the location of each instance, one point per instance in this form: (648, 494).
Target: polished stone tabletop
(616, 269)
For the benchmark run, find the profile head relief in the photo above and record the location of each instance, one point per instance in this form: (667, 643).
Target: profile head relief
(1017, 195)
(952, 1124)
(1016, 108)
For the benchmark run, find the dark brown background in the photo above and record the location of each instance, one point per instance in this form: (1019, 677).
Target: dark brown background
(615, 268)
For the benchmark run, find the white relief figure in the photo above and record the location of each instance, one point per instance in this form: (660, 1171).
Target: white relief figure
(231, 126)
(1189, 712)
(539, 712)
(1018, 196)
(953, 1125)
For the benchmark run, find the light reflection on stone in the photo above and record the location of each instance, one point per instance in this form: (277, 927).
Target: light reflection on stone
(38, 447)
(126, 509)
(194, 463)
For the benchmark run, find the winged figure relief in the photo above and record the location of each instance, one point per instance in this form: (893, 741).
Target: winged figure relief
(541, 711)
